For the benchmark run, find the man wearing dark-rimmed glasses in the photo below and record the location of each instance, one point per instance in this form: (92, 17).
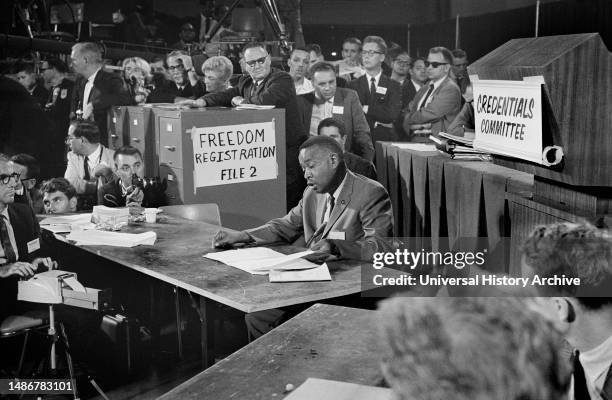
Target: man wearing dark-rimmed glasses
(267, 86)
(26, 190)
(436, 104)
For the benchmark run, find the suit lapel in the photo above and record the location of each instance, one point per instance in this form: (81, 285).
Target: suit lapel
(321, 201)
(344, 198)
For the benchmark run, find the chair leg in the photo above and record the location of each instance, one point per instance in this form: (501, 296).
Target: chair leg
(22, 357)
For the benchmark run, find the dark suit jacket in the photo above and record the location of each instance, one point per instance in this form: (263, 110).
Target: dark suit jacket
(26, 228)
(408, 93)
(359, 165)
(166, 91)
(276, 89)
(384, 108)
(58, 109)
(108, 90)
(358, 138)
(441, 110)
(362, 215)
(40, 94)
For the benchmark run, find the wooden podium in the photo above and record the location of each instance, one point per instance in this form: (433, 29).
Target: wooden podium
(577, 116)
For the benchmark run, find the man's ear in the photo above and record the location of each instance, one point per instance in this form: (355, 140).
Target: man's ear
(565, 309)
(73, 203)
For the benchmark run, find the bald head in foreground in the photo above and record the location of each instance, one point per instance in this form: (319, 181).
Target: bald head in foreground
(471, 349)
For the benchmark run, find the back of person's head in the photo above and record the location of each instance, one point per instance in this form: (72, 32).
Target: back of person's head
(87, 130)
(576, 251)
(57, 64)
(446, 53)
(30, 163)
(314, 48)
(380, 42)
(91, 51)
(24, 66)
(127, 151)
(59, 185)
(323, 142)
(332, 122)
(220, 64)
(471, 349)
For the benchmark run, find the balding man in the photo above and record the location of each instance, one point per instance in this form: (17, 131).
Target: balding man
(95, 90)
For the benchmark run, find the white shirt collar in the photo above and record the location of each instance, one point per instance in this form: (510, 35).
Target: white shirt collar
(596, 363)
(416, 85)
(376, 78)
(437, 83)
(304, 87)
(93, 157)
(5, 213)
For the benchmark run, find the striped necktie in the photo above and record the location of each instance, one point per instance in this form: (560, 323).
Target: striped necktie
(9, 252)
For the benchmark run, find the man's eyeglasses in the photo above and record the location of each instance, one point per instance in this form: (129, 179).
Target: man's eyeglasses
(259, 61)
(176, 67)
(70, 139)
(5, 179)
(434, 64)
(370, 53)
(28, 183)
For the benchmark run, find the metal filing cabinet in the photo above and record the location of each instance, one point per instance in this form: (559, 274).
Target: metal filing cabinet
(117, 129)
(242, 205)
(141, 135)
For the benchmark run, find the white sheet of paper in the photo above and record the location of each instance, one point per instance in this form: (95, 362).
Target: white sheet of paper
(259, 260)
(66, 219)
(416, 146)
(119, 239)
(320, 273)
(323, 389)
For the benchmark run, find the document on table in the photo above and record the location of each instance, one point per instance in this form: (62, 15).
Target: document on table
(66, 223)
(323, 389)
(254, 107)
(416, 146)
(260, 260)
(320, 273)
(119, 239)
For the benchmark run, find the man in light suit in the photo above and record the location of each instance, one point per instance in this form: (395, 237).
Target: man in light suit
(379, 95)
(327, 101)
(95, 90)
(436, 104)
(341, 215)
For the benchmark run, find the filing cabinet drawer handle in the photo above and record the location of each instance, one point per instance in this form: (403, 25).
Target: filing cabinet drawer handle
(171, 148)
(114, 136)
(136, 140)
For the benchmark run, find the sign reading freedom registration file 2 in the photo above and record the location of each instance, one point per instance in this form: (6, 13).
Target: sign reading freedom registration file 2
(234, 154)
(508, 118)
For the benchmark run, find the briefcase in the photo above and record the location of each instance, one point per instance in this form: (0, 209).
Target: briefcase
(127, 351)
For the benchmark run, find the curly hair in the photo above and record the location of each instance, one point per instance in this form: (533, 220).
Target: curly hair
(471, 349)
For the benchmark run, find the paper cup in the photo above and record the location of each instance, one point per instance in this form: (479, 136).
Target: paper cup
(150, 214)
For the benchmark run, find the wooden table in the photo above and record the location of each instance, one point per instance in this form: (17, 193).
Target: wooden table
(176, 259)
(328, 342)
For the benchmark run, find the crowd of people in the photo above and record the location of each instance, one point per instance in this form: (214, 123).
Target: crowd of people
(335, 112)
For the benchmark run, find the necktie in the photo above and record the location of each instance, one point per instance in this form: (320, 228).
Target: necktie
(87, 176)
(581, 391)
(372, 90)
(9, 252)
(431, 88)
(606, 391)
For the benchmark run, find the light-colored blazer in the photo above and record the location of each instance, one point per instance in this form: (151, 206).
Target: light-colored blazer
(360, 223)
(440, 112)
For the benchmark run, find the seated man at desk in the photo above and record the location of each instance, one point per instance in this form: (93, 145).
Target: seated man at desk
(341, 215)
(19, 232)
(59, 196)
(130, 188)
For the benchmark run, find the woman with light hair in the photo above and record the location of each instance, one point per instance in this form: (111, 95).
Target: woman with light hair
(217, 72)
(137, 77)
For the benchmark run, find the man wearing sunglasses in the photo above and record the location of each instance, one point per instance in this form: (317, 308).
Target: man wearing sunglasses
(266, 86)
(436, 104)
(19, 243)
(26, 191)
(582, 312)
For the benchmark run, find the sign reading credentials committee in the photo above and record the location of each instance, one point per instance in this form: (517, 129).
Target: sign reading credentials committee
(234, 153)
(508, 118)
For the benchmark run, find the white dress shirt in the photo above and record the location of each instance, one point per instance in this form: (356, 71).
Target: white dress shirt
(88, 86)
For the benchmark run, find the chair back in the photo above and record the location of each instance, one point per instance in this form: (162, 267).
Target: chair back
(208, 212)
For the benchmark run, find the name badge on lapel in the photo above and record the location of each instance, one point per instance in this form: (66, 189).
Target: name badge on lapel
(365, 109)
(334, 235)
(338, 110)
(33, 245)
(381, 90)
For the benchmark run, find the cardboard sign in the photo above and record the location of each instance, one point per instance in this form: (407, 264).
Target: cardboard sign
(230, 154)
(508, 118)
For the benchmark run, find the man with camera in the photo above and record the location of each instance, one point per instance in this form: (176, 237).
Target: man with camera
(130, 187)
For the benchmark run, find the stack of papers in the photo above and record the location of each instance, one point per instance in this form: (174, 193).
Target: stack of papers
(95, 237)
(416, 146)
(280, 267)
(253, 107)
(67, 223)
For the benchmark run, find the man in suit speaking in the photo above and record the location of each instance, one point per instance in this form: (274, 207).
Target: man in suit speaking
(340, 215)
